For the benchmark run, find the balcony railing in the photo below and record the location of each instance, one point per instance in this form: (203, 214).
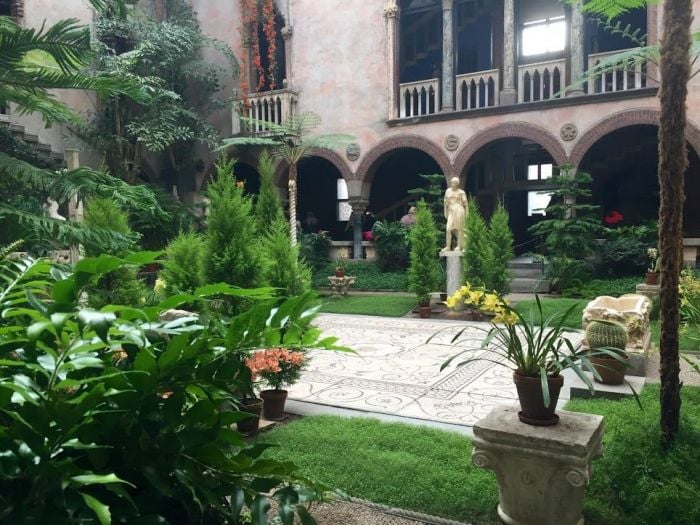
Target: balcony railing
(272, 107)
(478, 90)
(541, 80)
(419, 98)
(618, 75)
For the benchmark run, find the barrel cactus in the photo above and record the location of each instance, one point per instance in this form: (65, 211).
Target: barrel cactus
(606, 334)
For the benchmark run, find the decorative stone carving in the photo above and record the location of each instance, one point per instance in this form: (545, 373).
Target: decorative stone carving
(451, 142)
(353, 151)
(632, 311)
(569, 132)
(340, 285)
(287, 32)
(392, 9)
(455, 212)
(542, 472)
(51, 208)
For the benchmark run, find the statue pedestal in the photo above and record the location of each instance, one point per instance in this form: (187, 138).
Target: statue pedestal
(542, 472)
(454, 270)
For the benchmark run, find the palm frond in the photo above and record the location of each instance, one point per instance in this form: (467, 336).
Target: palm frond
(246, 141)
(19, 277)
(9, 248)
(609, 8)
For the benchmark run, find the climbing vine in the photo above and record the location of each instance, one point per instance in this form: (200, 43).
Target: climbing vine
(257, 14)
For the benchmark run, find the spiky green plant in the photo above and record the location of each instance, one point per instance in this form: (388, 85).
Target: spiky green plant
(478, 255)
(501, 241)
(268, 208)
(606, 334)
(182, 268)
(424, 274)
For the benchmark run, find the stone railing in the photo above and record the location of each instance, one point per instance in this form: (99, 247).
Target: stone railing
(618, 75)
(478, 90)
(541, 80)
(419, 98)
(273, 107)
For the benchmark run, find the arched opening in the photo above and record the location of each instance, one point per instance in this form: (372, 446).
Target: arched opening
(394, 174)
(623, 164)
(249, 176)
(514, 171)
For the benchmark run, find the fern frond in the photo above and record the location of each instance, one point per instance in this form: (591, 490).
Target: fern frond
(9, 248)
(19, 277)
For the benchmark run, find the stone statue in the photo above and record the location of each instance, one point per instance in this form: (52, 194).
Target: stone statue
(455, 213)
(51, 208)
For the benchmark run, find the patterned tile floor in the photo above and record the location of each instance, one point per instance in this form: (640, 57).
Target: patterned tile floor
(396, 371)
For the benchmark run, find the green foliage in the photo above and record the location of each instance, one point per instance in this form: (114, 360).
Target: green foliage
(625, 249)
(571, 226)
(6, 250)
(636, 482)
(689, 288)
(232, 253)
(383, 305)
(368, 276)
(424, 273)
(565, 273)
(609, 8)
(268, 208)
(116, 417)
(314, 249)
(122, 286)
(552, 307)
(283, 268)
(614, 287)
(391, 242)
(601, 334)
(182, 268)
(433, 194)
(501, 243)
(405, 466)
(478, 256)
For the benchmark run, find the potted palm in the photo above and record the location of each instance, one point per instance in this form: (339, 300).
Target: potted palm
(424, 272)
(277, 367)
(537, 349)
(653, 270)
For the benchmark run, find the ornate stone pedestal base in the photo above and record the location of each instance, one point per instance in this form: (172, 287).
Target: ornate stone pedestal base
(340, 285)
(542, 471)
(454, 270)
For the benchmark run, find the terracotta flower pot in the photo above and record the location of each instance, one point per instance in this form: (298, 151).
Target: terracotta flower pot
(611, 371)
(532, 408)
(273, 404)
(250, 425)
(339, 273)
(652, 278)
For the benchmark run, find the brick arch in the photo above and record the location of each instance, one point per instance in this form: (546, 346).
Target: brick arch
(624, 119)
(510, 130)
(368, 166)
(331, 156)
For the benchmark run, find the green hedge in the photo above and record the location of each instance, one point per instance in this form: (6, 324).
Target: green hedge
(368, 277)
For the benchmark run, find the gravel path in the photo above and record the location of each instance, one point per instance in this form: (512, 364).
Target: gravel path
(341, 513)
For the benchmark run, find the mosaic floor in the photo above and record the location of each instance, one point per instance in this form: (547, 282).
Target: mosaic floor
(396, 371)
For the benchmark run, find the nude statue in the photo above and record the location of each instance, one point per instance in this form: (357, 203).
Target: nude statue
(456, 210)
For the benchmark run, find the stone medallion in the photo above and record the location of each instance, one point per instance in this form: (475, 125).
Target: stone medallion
(569, 132)
(451, 142)
(352, 152)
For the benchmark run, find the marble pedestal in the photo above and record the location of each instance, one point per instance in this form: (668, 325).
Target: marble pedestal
(340, 285)
(542, 472)
(453, 270)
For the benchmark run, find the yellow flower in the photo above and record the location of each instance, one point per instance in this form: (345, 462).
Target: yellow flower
(465, 289)
(159, 286)
(491, 303)
(451, 302)
(475, 297)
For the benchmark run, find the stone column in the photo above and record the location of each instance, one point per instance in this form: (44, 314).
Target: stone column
(453, 269)
(542, 472)
(392, 14)
(359, 205)
(287, 33)
(448, 56)
(508, 94)
(577, 41)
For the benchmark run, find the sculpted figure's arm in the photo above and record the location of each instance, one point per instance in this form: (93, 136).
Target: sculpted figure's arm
(445, 202)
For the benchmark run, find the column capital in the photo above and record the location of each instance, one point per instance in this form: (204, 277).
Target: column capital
(287, 32)
(358, 204)
(448, 5)
(392, 9)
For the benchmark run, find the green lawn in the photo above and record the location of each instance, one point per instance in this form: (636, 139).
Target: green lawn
(404, 466)
(386, 305)
(553, 306)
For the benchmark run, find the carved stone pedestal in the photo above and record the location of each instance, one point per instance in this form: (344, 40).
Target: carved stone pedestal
(454, 270)
(542, 471)
(339, 285)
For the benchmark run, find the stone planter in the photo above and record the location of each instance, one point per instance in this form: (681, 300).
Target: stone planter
(532, 408)
(542, 472)
(273, 404)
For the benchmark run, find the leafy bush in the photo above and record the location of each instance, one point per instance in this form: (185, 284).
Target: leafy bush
(478, 255)
(182, 268)
(636, 482)
(368, 276)
(565, 273)
(232, 246)
(689, 287)
(117, 417)
(424, 274)
(391, 242)
(614, 287)
(501, 241)
(283, 268)
(624, 256)
(315, 249)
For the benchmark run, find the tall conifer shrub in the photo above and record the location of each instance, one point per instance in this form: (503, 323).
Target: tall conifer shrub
(424, 274)
(501, 241)
(478, 254)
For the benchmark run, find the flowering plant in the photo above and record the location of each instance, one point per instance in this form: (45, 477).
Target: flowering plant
(478, 298)
(278, 367)
(653, 255)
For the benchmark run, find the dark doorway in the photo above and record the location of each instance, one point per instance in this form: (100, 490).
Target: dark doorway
(317, 191)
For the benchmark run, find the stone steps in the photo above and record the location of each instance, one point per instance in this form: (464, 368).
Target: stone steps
(527, 276)
(44, 149)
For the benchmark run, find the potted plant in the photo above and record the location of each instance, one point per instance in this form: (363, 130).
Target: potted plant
(653, 270)
(471, 299)
(536, 348)
(424, 274)
(277, 367)
(248, 402)
(340, 267)
(613, 336)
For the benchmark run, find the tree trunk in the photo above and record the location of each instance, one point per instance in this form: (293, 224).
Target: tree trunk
(293, 203)
(673, 162)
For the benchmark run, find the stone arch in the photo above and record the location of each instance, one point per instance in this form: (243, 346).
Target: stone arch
(369, 163)
(331, 156)
(624, 119)
(208, 168)
(522, 130)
